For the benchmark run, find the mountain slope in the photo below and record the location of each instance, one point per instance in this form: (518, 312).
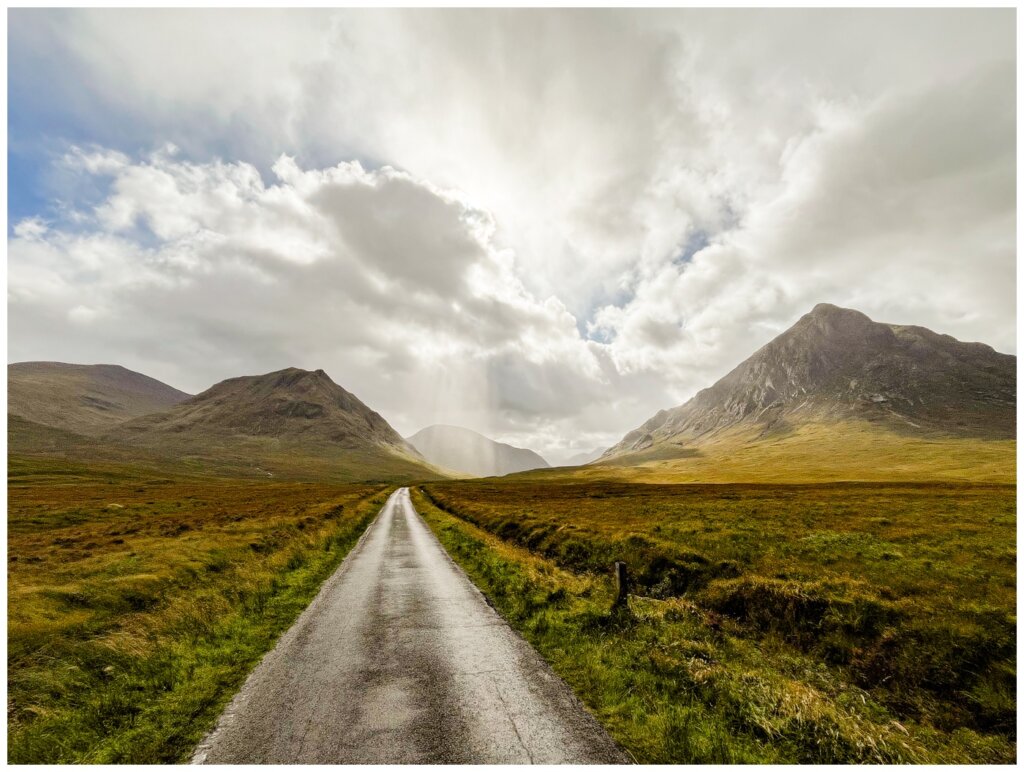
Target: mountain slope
(464, 450)
(290, 403)
(85, 399)
(836, 365)
(287, 423)
(584, 458)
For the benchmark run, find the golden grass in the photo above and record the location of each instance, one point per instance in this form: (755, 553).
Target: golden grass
(137, 602)
(817, 452)
(826, 623)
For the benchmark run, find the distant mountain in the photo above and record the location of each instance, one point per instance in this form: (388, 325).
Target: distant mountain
(464, 450)
(287, 423)
(84, 399)
(287, 404)
(837, 365)
(584, 458)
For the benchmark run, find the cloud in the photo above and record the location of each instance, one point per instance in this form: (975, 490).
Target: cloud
(196, 272)
(870, 212)
(542, 224)
(30, 228)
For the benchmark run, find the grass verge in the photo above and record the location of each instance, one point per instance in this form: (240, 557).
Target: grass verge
(138, 604)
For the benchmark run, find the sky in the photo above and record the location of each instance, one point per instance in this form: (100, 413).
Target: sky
(541, 225)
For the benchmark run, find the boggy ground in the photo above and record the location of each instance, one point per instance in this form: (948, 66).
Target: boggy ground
(138, 603)
(771, 623)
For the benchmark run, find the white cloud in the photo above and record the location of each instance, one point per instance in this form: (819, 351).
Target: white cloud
(681, 185)
(82, 314)
(30, 228)
(196, 272)
(871, 211)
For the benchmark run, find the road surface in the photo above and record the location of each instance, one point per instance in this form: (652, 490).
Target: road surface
(400, 660)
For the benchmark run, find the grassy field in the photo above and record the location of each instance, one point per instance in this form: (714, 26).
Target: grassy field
(825, 623)
(139, 602)
(811, 452)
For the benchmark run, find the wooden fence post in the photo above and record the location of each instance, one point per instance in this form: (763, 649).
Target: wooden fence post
(621, 585)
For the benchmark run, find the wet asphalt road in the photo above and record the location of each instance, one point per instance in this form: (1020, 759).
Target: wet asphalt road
(400, 660)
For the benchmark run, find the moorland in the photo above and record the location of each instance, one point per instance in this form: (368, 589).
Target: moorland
(821, 623)
(822, 547)
(138, 602)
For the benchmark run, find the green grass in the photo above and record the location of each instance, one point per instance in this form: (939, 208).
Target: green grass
(820, 623)
(770, 623)
(139, 602)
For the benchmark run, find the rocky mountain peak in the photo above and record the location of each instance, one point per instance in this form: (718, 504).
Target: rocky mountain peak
(837, 364)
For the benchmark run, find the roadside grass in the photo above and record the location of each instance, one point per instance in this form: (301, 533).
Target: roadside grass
(139, 602)
(769, 623)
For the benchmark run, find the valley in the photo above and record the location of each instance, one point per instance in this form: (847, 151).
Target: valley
(521, 385)
(821, 544)
(468, 453)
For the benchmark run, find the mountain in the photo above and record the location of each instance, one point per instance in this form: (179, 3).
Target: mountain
(584, 458)
(464, 450)
(839, 396)
(287, 423)
(84, 399)
(290, 403)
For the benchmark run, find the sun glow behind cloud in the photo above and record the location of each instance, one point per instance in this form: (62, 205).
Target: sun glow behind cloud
(541, 225)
